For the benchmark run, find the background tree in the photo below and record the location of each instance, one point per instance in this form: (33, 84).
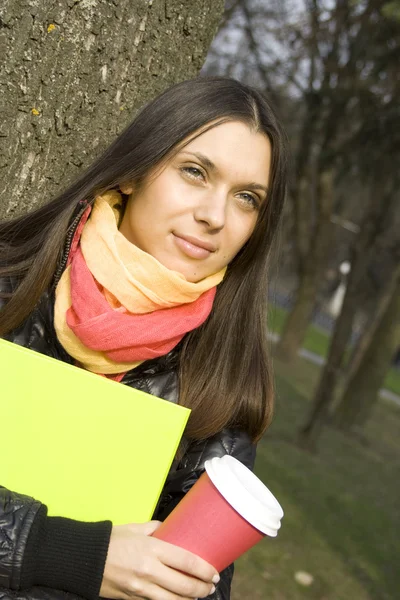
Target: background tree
(353, 57)
(379, 205)
(374, 357)
(376, 138)
(329, 68)
(72, 75)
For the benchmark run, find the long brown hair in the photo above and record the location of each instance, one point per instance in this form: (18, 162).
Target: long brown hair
(225, 374)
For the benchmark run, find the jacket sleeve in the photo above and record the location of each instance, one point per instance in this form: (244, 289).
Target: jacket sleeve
(55, 552)
(234, 442)
(17, 513)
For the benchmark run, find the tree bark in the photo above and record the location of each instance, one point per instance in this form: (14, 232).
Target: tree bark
(363, 387)
(73, 74)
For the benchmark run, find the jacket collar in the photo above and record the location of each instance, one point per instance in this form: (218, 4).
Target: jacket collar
(78, 216)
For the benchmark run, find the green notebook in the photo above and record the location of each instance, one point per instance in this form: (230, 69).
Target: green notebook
(88, 447)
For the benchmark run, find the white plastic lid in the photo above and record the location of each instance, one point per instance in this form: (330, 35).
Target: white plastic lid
(245, 493)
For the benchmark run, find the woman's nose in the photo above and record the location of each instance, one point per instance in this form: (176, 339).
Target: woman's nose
(211, 210)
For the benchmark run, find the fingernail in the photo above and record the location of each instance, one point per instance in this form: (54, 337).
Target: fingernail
(212, 589)
(216, 578)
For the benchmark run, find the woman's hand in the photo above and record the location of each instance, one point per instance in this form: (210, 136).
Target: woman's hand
(140, 566)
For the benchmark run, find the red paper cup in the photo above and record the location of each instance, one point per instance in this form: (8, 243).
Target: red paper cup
(225, 513)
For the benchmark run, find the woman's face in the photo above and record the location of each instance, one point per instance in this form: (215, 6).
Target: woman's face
(196, 213)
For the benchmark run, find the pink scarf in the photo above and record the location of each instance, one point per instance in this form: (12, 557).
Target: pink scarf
(123, 336)
(116, 305)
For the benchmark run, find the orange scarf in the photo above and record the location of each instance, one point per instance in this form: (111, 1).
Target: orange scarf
(116, 305)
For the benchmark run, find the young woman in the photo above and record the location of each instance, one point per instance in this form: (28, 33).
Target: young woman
(151, 269)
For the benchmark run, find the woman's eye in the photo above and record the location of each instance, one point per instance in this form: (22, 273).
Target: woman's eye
(249, 199)
(193, 172)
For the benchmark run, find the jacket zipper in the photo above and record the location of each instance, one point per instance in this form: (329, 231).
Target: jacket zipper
(67, 246)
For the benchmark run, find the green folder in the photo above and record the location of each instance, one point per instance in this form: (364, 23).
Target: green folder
(89, 448)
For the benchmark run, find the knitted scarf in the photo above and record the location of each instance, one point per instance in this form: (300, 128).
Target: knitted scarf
(117, 306)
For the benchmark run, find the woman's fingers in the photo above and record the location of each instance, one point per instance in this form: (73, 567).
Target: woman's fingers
(139, 565)
(183, 560)
(157, 593)
(180, 584)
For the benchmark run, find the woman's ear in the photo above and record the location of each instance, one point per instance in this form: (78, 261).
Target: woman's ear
(126, 188)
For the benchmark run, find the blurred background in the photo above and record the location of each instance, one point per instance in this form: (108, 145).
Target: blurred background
(331, 70)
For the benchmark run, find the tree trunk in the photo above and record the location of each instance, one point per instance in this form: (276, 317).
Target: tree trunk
(319, 131)
(298, 320)
(74, 72)
(311, 431)
(363, 388)
(374, 320)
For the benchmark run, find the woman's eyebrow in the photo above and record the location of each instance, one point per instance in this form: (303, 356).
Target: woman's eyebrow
(256, 186)
(203, 159)
(212, 167)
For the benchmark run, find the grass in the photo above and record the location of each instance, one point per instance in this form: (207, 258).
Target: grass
(392, 381)
(317, 341)
(342, 514)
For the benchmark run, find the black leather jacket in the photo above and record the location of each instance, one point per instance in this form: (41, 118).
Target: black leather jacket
(157, 377)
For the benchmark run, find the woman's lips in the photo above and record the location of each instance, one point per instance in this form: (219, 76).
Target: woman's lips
(191, 249)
